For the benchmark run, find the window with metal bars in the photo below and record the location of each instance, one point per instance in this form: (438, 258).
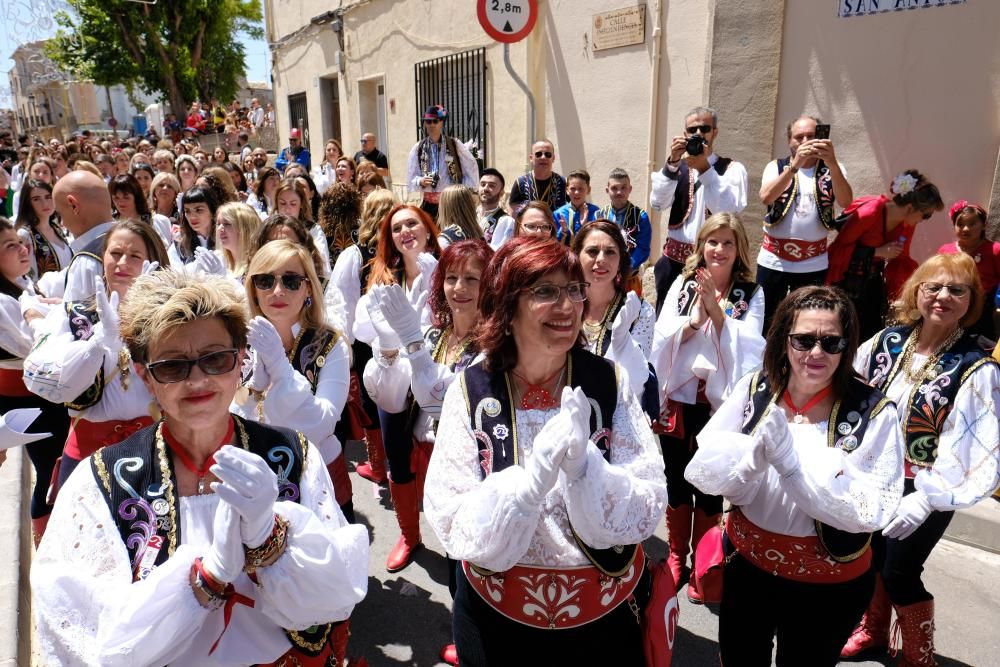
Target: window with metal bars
(458, 83)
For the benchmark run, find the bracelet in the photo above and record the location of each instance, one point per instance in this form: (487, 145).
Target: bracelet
(693, 327)
(216, 591)
(273, 545)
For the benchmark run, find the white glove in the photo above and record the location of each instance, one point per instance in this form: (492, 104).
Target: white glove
(773, 430)
(621, 335)
(148, 267)
(225, 558)
(547, 453)
(208, 262)
(13, 427)
(400, 314)
(386, 335)
(106, 335)
(417, 296)
(754, 462)
(260, 379)
(575, 409)
(251, 488)
(912, 512)
(266, 342)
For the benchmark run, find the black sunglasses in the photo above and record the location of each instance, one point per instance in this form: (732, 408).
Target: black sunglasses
(704, 129)
(829, 344)
(290, 281)
(169, 371)
(431, 121)
(543, 154)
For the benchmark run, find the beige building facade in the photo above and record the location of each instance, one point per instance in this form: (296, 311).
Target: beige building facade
(914, 88)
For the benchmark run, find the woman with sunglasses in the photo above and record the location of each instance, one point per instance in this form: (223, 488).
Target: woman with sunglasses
(544, 471)
(810, 457)
(80, 359)
(37, 218)
(158, 537)
(947, 389)
(437, 161)
(870, 258)
(708, 336)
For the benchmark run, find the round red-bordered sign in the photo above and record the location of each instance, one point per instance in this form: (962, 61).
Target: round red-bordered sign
(507, 21)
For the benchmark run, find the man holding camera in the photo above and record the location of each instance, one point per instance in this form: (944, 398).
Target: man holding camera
(437, 161)
(541, 183)
(799, 192)
(693, 184)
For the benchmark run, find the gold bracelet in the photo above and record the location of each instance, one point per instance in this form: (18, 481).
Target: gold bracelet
(274, 544)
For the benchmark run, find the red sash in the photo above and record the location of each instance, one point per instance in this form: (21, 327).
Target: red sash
(432, 197)
(86, 437)
(678, 250)
(12, 383)
(794, 250)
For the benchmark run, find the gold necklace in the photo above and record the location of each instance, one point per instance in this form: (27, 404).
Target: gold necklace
(455, 347)
(927, 370)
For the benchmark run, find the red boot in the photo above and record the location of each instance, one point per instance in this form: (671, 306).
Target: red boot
(915, 623)
(374, 468)
(341, 633)
(404, 499)
(873, 631)
(38, 528)
(342, 489)
(679, 535)
(449, 654)
(420, 458)
(702, 523)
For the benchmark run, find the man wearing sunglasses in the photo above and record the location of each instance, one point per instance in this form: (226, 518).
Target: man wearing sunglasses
(541, 183)
(693, 184)
(295, 152)
(437, 161)
(369, 151)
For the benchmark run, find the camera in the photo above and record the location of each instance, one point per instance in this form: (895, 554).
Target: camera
(435, 177)
(695, 145)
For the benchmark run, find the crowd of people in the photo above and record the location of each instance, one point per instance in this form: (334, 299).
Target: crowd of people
(189, 339)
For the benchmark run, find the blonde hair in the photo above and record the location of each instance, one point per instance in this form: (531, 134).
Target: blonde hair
(959, 265)
(86, 165)
(158, 180)
(246, 221)
(271, 256)
(458, 208)
(732, 222)
(373, 211)
(160, 302)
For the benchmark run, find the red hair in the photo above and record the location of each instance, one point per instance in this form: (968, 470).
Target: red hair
(519, 263)
(387, 259)
(457, 255)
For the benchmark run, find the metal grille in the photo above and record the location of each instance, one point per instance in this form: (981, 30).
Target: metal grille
(299, 115)
(458, 83)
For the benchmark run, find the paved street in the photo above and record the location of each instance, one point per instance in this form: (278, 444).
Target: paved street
(405, 618)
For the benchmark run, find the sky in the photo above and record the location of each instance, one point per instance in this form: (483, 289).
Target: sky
(24, 21)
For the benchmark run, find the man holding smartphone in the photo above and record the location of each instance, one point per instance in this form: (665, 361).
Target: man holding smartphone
(800, 192)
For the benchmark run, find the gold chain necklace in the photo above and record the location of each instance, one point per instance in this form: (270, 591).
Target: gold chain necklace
(927, 370)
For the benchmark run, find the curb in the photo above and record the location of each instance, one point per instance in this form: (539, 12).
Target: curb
(15, 559)
(977, 526)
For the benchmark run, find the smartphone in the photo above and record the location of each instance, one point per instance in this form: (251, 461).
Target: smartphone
(822, 132)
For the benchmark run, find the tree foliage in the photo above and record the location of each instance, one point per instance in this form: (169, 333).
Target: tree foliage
(184, 49)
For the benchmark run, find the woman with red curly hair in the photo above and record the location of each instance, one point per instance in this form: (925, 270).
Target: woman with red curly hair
(545, 475)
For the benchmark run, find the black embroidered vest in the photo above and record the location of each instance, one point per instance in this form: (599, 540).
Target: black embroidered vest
(737, 303)
(683, 195)
(91, 251)
(310, 353)
(779, 208)
(928, 404)
(492, 414)
(82, 318)
(849, 420)
(453, 233)
(628, 222)
(46, 257)
(489, 222)
(137, 480)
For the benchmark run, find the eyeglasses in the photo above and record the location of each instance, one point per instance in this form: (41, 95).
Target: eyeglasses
(933, 289)
(704, 129)
(548, 293)
(543, 154)
(290, 281)
(532, 228)
(829, 344)
(170, 371)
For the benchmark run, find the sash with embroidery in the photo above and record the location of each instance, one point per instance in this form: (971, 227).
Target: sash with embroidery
(82, 318)
(737, 301)
(137, 480)
(929, 403)
(309, 355)
(779, 208)
(489, 399)
(489, 222)
(849, 420)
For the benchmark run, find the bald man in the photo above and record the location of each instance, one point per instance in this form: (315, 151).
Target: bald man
(83, 203)
(369, 151)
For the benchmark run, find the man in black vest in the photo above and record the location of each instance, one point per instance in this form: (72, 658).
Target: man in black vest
(799, 192)
(541, 183)
(83, 203)
(693, 184)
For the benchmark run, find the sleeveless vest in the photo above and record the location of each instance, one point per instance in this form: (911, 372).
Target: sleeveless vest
(82, 318)
(310, 353)
(492, 414)
(737, 301)
(929, 404)
(779, 208)
(849, 420)
(631, 216)
(137, 480)
(46, 257)
(91, 251)
(453, 233)
(490, 223)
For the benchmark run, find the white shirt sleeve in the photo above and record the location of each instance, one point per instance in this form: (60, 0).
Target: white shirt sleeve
(388, 386)
(726, 193)
(61, 367)
(80, 278)
(413, 175)
(15, 334)
(346, 276)
(470, 168)
(661, 196)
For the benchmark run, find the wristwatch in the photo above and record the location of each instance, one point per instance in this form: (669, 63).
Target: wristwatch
(414, 347)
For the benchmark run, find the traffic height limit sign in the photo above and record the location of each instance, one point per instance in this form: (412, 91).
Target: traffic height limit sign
(507, 21)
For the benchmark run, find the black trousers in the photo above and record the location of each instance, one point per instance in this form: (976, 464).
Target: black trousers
(901, 562)
(397, 435)
(811, 621)
(484, 637)
(362, 353)
(430, 209)
(665, 271)
(43, 453)
(872, 304)
(677, 453)
(779, 284)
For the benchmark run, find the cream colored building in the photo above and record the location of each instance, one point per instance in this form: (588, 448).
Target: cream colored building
(902, 89)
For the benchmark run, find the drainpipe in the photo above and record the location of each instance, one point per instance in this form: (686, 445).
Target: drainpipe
(654, 94)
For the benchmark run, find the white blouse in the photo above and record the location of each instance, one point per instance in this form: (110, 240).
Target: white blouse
(482, 521)
(967, 468)
(15, 335)
(88, 611)
(718, 358)
(857, 492)
(634, 358)
(346, 277)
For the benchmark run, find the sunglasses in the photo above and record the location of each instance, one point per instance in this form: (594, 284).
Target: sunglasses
(829, 344)
(170, 371)
(933, 289)
(290, 281)
(431, 121)
(704, 129)
(548, 293)
(543, 154)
